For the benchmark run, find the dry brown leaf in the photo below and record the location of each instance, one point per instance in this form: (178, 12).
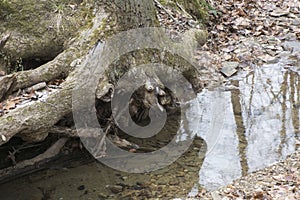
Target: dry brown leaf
(17, 100)
(9, 105)
(220, 27)
(2, 73)
(32, 93)
(241, 21)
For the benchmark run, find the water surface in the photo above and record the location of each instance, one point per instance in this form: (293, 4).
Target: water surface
(250, 123)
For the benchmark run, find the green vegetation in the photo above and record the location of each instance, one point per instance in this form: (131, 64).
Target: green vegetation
(5, 9)
(199, 9)
(35, 17)
(38, 29)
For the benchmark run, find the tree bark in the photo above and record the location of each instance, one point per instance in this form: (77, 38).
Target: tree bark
(37, 29)
(32, 122)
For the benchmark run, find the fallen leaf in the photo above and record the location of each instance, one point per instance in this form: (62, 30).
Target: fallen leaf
(2, 73)
(266, 58)
(10, 105)
(279, 13)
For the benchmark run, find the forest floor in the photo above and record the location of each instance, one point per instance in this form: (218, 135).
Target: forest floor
(247, 33)
(251, 33)
(279, 181)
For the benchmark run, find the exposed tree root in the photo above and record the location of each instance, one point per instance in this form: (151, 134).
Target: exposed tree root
(31, 164)
(33, 121)
(57, 68)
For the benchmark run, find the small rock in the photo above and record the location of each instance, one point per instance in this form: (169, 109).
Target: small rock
(227, 57)
(116, 189)
(137, 187)
(76, 62)
(82, 187)
(296, 22)
(229, 68)
(267, 58)
(216, 196)
(174, 182)
(258, 194)
(279, 13)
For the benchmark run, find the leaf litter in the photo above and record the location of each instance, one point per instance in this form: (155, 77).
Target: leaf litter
(37, 92)
(247, 32)
(250, 33)
(253, 33)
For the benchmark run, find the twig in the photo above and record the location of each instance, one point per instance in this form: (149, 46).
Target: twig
(183, 10)
(26, 165)
(161, 6)
(102, 143)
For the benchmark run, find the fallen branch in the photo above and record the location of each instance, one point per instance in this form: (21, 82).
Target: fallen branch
(31, 164)
(168, 12)
(36, 120)
(4, 40)
(62, 64)
(183, 10)
(33, 121)
(57, 68)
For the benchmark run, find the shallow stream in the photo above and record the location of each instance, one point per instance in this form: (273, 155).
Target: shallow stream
(250, 123)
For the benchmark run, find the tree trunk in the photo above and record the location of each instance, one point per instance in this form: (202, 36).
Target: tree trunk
(32, 122)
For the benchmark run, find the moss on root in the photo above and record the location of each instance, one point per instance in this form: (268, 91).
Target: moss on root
(40, 30)
(197, 8)
(33, 16)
